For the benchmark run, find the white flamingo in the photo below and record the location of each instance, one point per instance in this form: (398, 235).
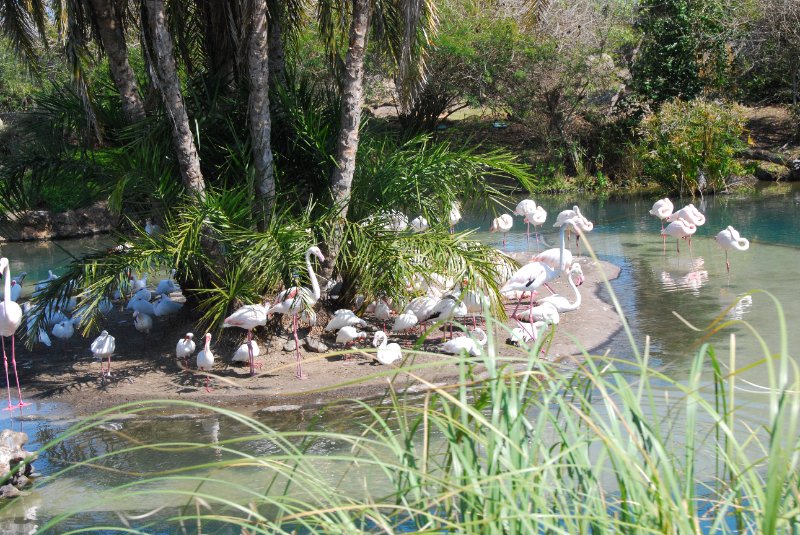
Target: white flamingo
(292, 300)
(502, 224)
(43, 283)
(542, 312)
(574, 220)
(10, 320)
(680, 228)
(342, 318)
(446, 310)
(454, 216)
(730, 239)
(387, 353)
(248, 318)
(383, 312)
(419, 224)
(243, 352)
(64, 330)
(185, 348)
(103, 347)
(349, 334)
(560, 302)
(404, 322)
(466, 344)
(205, 359)
(662, 209)
(166, 306)
(536, 218)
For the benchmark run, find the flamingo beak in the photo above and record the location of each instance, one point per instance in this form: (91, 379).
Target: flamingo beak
(581, 281)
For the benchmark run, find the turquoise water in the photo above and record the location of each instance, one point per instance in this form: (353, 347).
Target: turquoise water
(654, 285)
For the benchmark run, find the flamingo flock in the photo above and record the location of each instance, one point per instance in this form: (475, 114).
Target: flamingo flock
(442, 302)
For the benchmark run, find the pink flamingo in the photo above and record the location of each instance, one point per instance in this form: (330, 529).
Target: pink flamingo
(503, 224)
(248, 318)
(293, 300)
(10, 319)
(680, 228)
(730, 239)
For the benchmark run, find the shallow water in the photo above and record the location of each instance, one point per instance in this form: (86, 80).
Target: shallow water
(654, 285)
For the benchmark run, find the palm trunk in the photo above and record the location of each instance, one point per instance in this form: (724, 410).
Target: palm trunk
(347, 146)
(277, 56)
(170, 86)
(258, 109)
(109, 27)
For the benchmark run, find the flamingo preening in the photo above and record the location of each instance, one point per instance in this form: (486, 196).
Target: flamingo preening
(10, 319)
(103, 347)
(662, 209)
(730, 239)
(185, 348)
(292, 300)
(680, 228)
(502, 224)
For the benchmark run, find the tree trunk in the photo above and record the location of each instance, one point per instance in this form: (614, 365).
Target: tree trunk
(170, 86)
(258, 109)
(277, 56)
(112, 37)
(347, 145)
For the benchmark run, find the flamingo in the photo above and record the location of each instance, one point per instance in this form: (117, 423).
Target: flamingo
(349, 334)
(342, 318)
(167, 286)
(543, 312)
(166, 306)
(291, 300)
(151, 228)
(185, 348)
(525, 207)
(205, 359)
(574, 220)
(383, 311)
(43, 283)
(690, 214)
(44, 338)
(243, 352)
(103, 347)
(503, 224)
(447, 309)
(466, 344)
(537, 217)
(387, 353)
(560, 302)
(142, 305)
(248, 318)
(454, 216)
(680, 228)
(730, 239)
(662, 209)
(474, 301)
(404, 321)
(10, 319)
(138, 284)
(16, 290)
(419, 224)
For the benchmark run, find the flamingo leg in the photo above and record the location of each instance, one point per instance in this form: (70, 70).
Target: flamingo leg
(8, 382)
(578, 243)
(504, 239)
(727, 262)
(14, 363)
(537, 237)
(298, 371)
(109, 365)
(250, 352)
(549, 288)
(678, 246)
(528, 233)
(208, 388)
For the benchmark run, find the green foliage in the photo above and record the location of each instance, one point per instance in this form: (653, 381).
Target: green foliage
(682, 50)
(686, 141)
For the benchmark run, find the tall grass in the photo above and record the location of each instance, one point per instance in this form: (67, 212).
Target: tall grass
(514, 444)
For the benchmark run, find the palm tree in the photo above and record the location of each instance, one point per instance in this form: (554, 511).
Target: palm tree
(258, 109)
(403, 25)
(169, 85)
(108, 19)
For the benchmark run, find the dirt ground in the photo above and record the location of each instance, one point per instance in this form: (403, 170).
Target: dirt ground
(145, 367)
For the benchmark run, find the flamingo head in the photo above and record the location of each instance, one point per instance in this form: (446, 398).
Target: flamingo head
(316, 252)
(208, 339)
(188, 336)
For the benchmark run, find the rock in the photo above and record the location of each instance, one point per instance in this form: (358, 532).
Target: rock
(315, 345)
(772, 172)
(291, 345)
(44, 225)
(9, 491)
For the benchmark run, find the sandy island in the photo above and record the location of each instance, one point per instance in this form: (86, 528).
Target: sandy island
(145, 366)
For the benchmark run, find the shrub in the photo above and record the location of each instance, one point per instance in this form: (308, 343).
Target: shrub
(690, 146)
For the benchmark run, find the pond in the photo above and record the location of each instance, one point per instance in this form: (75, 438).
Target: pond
(654, 285)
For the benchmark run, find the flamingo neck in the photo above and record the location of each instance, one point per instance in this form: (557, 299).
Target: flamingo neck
(561, 248)
(577, 294)
(383, 338)
(7, 283)
(311, 275)
(483, 339)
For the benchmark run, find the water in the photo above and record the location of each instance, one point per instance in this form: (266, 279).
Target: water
(652, 287)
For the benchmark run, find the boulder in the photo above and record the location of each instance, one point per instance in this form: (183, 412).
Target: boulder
(44, 225)
(315, 345)
(291, 345)
(12, 453)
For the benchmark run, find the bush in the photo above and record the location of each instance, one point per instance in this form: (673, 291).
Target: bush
(689, 147)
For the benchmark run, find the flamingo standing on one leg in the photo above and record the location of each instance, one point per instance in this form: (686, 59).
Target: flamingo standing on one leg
(205, 359)
(691, 214)
(248, 318)
(525, 207)
(292, 300)
(730, 239)
(503, 224)
(10, 319)
(454, 216)
(662, 209)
